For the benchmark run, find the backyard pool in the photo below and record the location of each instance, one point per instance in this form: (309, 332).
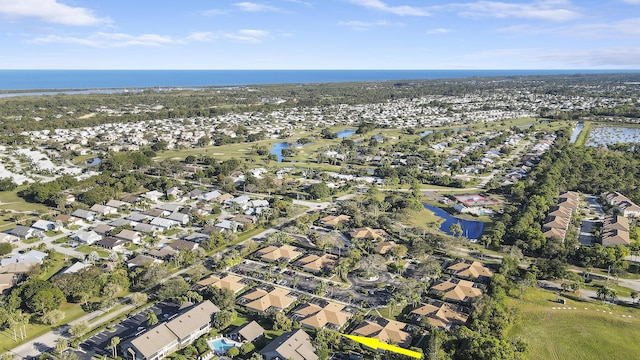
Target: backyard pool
(221, 345)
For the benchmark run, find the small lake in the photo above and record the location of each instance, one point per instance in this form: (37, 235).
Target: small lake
(345, 133)
(603, 136)
(470, 229)
(95, 162)
(576, 132)
(426, 132)
(277, 148)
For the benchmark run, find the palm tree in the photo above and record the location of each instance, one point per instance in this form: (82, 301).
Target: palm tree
(113, 345)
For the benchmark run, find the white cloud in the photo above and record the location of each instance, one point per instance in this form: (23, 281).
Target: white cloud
(119, 40)
(634, 2)
(617, 57)
(541, 58)
(247, 36)
(364, 25)
(201, 36)
(438, 31)
(50, 11)
(111, 40)
(625, 27)
(255, 7)
(555, 10)
(214, 12)
(403, 10)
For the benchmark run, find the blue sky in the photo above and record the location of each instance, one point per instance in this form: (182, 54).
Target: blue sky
(320, 34)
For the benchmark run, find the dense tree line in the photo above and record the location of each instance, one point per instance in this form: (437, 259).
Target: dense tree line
(565, 167)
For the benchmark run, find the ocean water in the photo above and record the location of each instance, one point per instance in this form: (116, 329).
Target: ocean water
(131, 79)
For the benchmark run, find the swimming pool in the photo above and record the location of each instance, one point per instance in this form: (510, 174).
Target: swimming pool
(221, 345)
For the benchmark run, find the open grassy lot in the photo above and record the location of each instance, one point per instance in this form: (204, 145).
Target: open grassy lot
(9, 200)
(582, 331)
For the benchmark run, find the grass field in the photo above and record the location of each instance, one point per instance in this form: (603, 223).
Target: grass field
(591, 331)
(9, 200)
(584, 134)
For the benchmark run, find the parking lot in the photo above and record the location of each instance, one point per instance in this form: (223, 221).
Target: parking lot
(360, 293)
(126, 329)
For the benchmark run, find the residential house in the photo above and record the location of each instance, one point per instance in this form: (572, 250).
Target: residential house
(153, 195)
(131, 199)
(456, 290)
(292, 345)
(384, 247)
(171, 208)
(228, 281)
(367, 233)
(85, 214)
(283, 253)
(179, 217)
(8, 238)
(30, 257)
(267, 297)
(87, 237)
(174, 192)
(117, 204)
(209, 196)
(66, 220)
(168, 337)
(146, 228)
(317, 264)
(157, 212)
(622, 203)
(103, 210)
(165, 253)
(322, 314)
(24, 232)
(103, 229)
(128, 235)
(45, 225)
(75, 267)
(470, 270)
(194, 194)
(228, 225)
(333, 221)
(112, 244)
(385, 330)
(248, 332)
(196, 237)
(138, 217)
(440, 314)
(141, 260)
(180, 245)
(119, 222)
(615, 231)
(163, 223)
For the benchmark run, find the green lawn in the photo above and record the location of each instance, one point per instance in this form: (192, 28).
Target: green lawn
(424, 219)
(9, 200)
(588, 332)
(71, 311)
(88, 249)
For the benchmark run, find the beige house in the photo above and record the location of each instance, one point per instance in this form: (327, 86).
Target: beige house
(456, 290)
(228, 282)
(472, 270)
(283, 253)
(321, 314)
(317, 264)
(333, 221)
(385, 330)
(439, 314)
(367, 233)
(267, 297)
